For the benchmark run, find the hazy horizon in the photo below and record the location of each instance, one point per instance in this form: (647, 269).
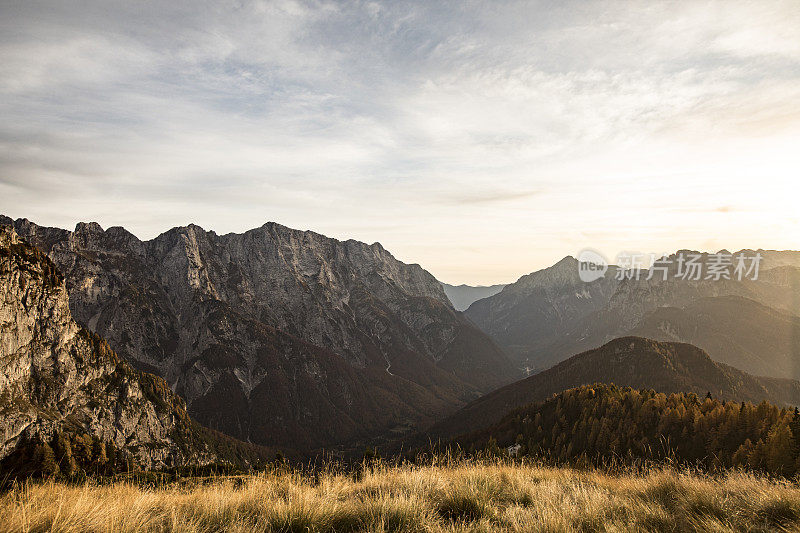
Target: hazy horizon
(482, 140)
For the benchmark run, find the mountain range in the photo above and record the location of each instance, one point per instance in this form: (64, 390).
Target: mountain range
(277, 336)
(607, 425)
(551, 314)
(194, 348)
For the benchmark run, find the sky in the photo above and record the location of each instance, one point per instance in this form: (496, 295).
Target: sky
(482, 140)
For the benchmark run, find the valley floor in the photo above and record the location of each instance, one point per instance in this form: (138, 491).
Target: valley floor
(486, 497)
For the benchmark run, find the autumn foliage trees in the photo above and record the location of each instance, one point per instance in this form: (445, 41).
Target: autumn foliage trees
(65, 456)
(606, 422)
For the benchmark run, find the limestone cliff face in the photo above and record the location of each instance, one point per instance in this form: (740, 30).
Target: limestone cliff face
(299, 282)
(278, 336)
(55, 375)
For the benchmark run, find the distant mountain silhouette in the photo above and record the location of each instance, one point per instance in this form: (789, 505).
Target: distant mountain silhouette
(539, 308)
(734, 330)
(462, 296)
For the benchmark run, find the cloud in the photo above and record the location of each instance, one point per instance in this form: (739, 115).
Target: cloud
(404, 122)
(492, 197)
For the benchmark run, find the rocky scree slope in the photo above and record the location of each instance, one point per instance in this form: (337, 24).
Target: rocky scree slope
(278, 336)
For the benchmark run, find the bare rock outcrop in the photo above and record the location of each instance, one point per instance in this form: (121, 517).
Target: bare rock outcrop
(57, 376)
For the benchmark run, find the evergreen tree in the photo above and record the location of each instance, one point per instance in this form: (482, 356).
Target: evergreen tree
(111, 454)
(779, 450)
(49, 466)
(63, 450)
(99, 458)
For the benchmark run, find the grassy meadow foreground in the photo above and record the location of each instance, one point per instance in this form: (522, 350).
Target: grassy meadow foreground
(476, 497)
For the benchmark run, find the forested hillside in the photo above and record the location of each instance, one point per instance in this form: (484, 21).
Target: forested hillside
(606, 422)
(667, 367)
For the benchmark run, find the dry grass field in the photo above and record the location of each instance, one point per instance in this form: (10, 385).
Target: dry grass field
(466, 497)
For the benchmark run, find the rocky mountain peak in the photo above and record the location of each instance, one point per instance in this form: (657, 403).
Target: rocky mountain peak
(88, 228)
(562, 274)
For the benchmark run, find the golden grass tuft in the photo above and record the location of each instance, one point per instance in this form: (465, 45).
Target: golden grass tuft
(448, 498)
